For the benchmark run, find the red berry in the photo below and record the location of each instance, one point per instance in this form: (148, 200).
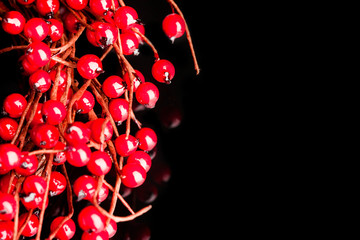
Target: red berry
(40, 81)
(38, 119)
(36, 29)
(78, 155)
(77, 4)
(38, 54)
(147, 138)
(89, 66)
(140, 28)
(100, 7)
(26, 67)
(25, 2)
(105, 34)
(137, 80)
(133, 175)
(8, 127)
(28, 164)
(7, 206)
(57, 183)
(125, 17)
(56, 29)
(173, 26)
(59, 157)
(71, 23)
(62, 78)
(91, 220)
(13, 22)
(77, 133)
(31, 226)
(7, 230)
(9, 157)
(84, 188)
(147, 94)
(54, 112)
(47, 7)
(66, 231)
(113, 86)
(111, 228)
(90, 35)
(141, 158)
(119, 109)
(125, 146)
(163, 71)
(100, 163)
(96, 127)
(44, 135)
(85, 103)
(14, 104)
(129, 44)
(34, 184)
(103, 235)
(5, 182)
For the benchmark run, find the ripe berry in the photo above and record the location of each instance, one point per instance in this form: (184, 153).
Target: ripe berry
(125, 17)
(96, 128)
(66, 231)
(84, 188)
(147, 138)
(137, 80)
(44, 135)
(133, 175)
(103, 235)
(85, 103)
(5, 182)
(31, 226)
(62, 78)
(60, 157)
(14, 105)
(57, 183)
(71, 23)
(40, 81)
(163, 71)
(28, 164)
(119, 109)
(13, 22)
(77, 133)
(78, 155)
(173, 26)
(36, 29)
(7, 230)
(54, 112)
(9, 157)
(47, 7)
(77, 4)
(140, 28)
(125, 146)
(91, 220)
(89, 66)
(100, 163)
(25, 2)
(38, 54)
(129, 44)
(56, 30)
(105, 34)
(34, 184)
(7, 206)
(26, 67)
(100, 7)
(111, 228)
(147, 94)
(8, 128)
(113, 86)
(141, 158)
(90, 35)
(38, 119)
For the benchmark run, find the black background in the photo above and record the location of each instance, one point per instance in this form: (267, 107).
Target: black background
(187, 205)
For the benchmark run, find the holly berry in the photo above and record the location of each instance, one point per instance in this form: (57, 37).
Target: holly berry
(141, 158)
(36, 29)
(133, 175)
(91, 220)
(62, 78)
(100, 163)
(57, 183)
(7, 206)
(111, 228)
(31, 227)
(113, 86)
(77, 4)
(119, 109)
(78, 155)
(173, 26)
(125, 16)
(125, 145)
(100, 7)
(105, 34)
(54, 112)
(13, 22)
(28, 164)
(96, 129)
(38, 119)
(84, 188)
(5, 182)
(137, 80)
(56, 30)
(14, 105)
(140, 28)
(163, 71)
(9, 157)
(66, 231)
(34, 188)
(147, 94)
(129, 44)
(60, 157)
(44, 135)
(47, 8)
(147, 138)
(8, 127)
(77, 133)
(40, 81)
(103, 235)
(6, 230)
(25, 2)
(89, 66)
(85, 103)
(71, 23)
(38, 54)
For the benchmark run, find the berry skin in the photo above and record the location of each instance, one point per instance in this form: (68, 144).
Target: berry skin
(125, 17)
(60, 157)
(9, 157)
(137, 80)
(36, 29)
(57, 183)
(56, 30)
(38, 54)
(85, 103)
(125, 146)
(111, 228)
(100, 7)
(25, 2)
(90, 35)
(91, 220)
(31, 226)
(78, 155)
(105, 34)
(163, 71)
(129, 43)
(7, 206)
(28, 164)
(14, 105)
(53, 111)
(147, 139)
(103, 235)
(147, 94)
(47, 8)
(89, 66)
(38, 119)
(34, 184)
(84, 188)
(77, 4)
(77, 133)
(99, 164)
(44, 135)
(8, 128)
(40, 81)
(13, 22)
(67, 230)
(7, 230)
(133, 175)
(173, 26)
(119, 109)
(96, 127)
(113, 86)
(71, 23)
(141, 158)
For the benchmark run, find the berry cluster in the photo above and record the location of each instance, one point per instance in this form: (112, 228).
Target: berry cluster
(55, 125)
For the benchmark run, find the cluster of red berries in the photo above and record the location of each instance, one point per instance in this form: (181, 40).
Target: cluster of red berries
(40, 136)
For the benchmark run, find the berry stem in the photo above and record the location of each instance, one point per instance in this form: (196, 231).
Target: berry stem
(44, 151)
(156, 54)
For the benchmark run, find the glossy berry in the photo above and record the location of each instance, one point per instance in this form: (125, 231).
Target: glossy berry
(77, 4)
(100, 163)
(47, 8)
(62, 78)
(8, 127)
(14, 105)
(119, 109)
(103, 235)
(147, 94)
(57, 183)
(137, 80)
(77, 133)
(7, 206)
(91, 220)
(54, 112)
(66, 231)
(174, 26)
(38, 54)
(125, 146)
(85, 103)
(138, 27)
(141, 158)
(40, 81)
(44, 135)
(34, 184)
(37, 119)
(111, 228)
(129, 44)
(96, 128)
(89, 66)
(84, 188)
(125, 17)
(26, 67)
(25, 2)
(163, 71)
(133, 175)
(6, 230)
(100, 7)
(31, 226)
(78, 155)
(28, 164)
(13, 22)
(36, 29)
(105, 34)
(60, 157)
(113, 86)
(147, 138)
(90, 35)
(56, 30)
(9, 157)
(71, 23)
